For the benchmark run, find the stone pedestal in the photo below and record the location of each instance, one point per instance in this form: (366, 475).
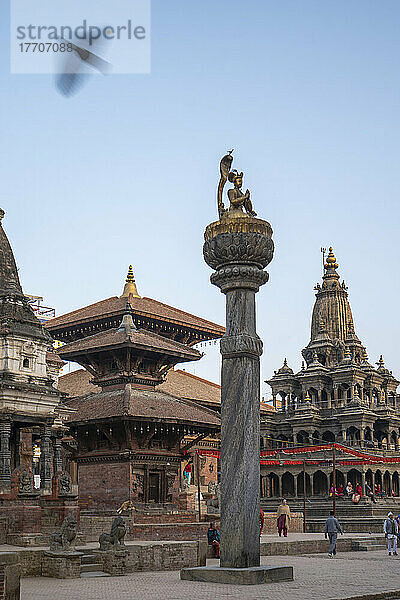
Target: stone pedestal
(114, 561)
(62, 565)
(249, 576)
(10, 569)
(238, 249)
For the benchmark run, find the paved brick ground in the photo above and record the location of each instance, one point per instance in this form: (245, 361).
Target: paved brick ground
(316, 576)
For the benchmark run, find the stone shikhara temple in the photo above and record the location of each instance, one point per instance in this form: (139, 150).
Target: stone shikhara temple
(128, 431)
(31, 412)
(337, 396)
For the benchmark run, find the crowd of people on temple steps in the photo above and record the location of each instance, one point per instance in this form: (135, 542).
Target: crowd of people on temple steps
(357, 492)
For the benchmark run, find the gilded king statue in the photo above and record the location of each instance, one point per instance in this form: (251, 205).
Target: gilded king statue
(238, 200)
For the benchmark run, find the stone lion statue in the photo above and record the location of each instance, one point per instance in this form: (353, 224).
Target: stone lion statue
(64, 539)
(114, 539)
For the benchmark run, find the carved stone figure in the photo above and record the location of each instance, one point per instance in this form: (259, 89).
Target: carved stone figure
(115, 539)
(25, 482)
(185, 486)
(211, 487)
(64, 484)
(215, 502)
(65, 538)
(238, 200)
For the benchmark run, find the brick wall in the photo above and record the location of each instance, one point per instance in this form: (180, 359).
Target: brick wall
(92, 526)
(22, 516)
(106, 483)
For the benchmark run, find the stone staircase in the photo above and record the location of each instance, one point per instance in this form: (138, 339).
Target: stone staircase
(369, 544)
(91, 565)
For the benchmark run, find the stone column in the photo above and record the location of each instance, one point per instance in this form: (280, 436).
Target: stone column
(5, 457)
(238, 248)
(57, 458)
(45, 459)
(363, 482)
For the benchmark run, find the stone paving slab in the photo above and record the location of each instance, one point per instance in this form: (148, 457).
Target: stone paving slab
(350, 575)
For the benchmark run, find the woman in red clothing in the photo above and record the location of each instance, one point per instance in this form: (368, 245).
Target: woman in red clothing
(359, 490)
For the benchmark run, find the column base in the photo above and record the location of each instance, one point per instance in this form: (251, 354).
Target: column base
(247, 576)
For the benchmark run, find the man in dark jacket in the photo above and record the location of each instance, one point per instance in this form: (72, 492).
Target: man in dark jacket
(214, 539)
(332, 527)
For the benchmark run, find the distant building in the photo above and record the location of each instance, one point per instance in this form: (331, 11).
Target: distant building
(129, 432)
(337, 396)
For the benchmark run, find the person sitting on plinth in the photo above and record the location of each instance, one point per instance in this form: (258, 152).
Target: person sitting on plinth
(349, 489)
(214, 539)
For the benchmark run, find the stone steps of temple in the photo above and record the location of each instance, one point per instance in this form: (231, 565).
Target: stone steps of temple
(94, 574)
(89, 559)
(91, 566)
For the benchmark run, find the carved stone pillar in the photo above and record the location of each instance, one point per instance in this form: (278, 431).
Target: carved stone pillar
(57, 457)
(5, 457)
(45, 459)
(362, 432)
(238, 248)
(363, 482)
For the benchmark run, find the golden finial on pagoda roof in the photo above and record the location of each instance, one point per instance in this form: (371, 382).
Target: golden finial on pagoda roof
(130, 285)
(331, 260)
(381, 363)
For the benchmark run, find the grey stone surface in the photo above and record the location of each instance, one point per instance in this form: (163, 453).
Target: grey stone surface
(239, 249)
(249, 576)
(10, 575)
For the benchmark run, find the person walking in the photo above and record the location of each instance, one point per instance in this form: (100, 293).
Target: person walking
(332, 527)
(283, 518)
(391, 530)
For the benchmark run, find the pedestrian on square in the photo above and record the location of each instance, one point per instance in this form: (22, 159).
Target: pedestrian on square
(214, 539)
(283, 518)
(332, 528)
(391, 530)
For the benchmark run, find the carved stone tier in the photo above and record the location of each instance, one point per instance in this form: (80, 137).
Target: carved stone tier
(239, 248)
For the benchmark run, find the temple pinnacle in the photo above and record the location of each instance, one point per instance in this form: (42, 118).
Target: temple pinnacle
(130, 285)
(331, 260)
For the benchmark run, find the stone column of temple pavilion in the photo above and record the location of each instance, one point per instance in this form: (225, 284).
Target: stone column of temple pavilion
(239, 246)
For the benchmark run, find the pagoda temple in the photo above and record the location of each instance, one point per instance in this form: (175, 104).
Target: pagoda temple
(337, 396)
(128, 432)
(147, 313)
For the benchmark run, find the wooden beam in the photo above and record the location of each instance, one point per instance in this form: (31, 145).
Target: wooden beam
(194, 442)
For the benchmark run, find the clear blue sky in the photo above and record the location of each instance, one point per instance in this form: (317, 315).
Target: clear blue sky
(307, 92)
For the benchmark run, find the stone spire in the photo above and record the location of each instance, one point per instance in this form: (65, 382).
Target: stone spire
(9, 280)
(332, 325)
(16, 316)
(130, 285)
